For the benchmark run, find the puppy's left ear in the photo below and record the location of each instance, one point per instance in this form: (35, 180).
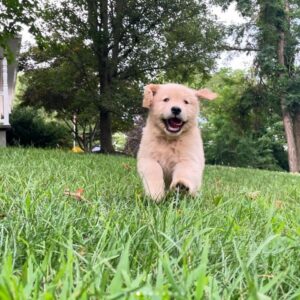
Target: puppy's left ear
(206, 94)
(149, 93)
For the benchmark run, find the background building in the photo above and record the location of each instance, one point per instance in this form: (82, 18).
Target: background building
(8, 72)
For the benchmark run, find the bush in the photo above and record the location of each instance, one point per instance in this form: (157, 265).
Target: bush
(28, 128)
(245, 151)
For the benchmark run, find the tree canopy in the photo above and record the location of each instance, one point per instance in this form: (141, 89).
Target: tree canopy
(14, 14)
(127, 43)
(241, 127)
(273, 32)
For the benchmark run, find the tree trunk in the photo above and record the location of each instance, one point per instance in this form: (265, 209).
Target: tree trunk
(106, 132)
(297, 136)
(105, 117)
(291, 143)
(287, 119)
(98, 20)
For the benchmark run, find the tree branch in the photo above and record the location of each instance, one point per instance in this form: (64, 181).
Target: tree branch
(236, 48)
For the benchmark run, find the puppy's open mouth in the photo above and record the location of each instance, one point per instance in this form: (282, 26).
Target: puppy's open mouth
(173, 125)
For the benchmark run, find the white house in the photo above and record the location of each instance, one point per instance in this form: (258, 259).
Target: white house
(7, 86)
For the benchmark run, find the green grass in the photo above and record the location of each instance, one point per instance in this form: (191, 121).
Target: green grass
(240, 239)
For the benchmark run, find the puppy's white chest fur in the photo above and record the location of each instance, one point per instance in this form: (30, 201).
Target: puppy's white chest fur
(168, 152)
(168, 155)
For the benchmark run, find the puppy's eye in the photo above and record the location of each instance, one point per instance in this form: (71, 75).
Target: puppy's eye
(166, 99)
(186, 102)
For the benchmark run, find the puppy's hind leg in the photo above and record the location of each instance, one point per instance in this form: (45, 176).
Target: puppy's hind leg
(153, 178)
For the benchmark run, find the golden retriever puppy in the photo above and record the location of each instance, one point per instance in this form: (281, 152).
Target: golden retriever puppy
(171, 150)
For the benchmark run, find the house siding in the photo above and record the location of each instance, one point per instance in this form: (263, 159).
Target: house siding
(1, 74)
(1, 91)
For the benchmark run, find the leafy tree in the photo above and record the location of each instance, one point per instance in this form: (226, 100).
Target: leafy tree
(61, 79)
(242, 128)
(132, 42)
(274, 27)
(13, 14)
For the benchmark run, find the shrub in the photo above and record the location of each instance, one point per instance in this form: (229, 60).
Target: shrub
(29, 128)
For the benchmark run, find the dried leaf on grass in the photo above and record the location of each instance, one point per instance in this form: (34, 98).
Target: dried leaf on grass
(126, 166)
(78, 195)
(279, 204)
(253, 195)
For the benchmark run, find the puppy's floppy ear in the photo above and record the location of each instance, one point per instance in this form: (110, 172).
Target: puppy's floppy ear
(206, 94)
(149, 93)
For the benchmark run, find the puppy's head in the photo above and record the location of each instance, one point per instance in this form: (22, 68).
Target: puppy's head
(174, 108)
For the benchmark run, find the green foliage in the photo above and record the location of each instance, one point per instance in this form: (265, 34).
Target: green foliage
(190, 48)
(245, 7)
(268, 19)
(119, 140)
(60, 78)
(65, 84)
(238, 238)
(242, 129)
(14, 14)
(273, 31)
(96, 55)
(273, 20)
(29, 128)
(292, 85)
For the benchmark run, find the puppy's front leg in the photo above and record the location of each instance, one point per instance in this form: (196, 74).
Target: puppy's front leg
(187, 175)
(153, 178)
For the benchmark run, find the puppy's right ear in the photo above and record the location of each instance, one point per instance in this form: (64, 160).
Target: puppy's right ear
(149, 93)
(206, 94)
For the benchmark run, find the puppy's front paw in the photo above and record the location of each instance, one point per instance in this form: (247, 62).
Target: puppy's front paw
(181, 186)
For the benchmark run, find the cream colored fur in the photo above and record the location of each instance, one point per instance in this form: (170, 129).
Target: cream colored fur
(170, 159)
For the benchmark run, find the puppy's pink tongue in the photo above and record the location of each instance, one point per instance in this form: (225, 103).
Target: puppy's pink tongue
(175, 123)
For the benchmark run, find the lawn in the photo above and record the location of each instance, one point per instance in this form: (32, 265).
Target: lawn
(239, 239)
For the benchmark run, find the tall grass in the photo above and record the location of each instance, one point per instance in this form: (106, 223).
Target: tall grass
(239, 239)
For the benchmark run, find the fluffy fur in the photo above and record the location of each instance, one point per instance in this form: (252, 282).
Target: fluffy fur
(171, 150)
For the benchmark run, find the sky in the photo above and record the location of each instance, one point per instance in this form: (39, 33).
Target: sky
(234, 60)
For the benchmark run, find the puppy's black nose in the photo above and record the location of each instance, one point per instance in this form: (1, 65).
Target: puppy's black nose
(176, 110)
